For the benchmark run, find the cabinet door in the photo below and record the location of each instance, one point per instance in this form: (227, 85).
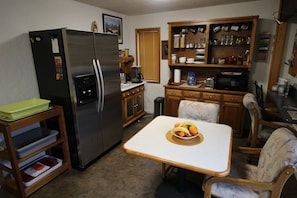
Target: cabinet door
(129, 108)
(139, 99)
(172, 104)
(172, 99)
(233, 113)
(233, 116)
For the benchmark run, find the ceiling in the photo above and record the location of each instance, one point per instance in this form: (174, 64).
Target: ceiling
(140, 7)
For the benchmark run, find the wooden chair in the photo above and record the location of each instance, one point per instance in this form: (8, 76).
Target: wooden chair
(269, 110)
(260, 129)
(277, 162)
(194, 110)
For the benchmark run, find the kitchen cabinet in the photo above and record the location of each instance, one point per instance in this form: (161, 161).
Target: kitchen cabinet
(132, 104)
(231, 107)
(12, 180)
(172, 99)
(232, 112)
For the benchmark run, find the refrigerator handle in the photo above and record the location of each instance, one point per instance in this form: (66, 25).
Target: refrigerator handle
(98, 87)
(102, 84)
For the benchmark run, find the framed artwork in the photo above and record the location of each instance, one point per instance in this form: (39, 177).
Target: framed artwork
(113, 25)
(164, 50)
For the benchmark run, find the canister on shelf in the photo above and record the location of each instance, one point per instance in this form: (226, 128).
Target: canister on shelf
(182, 43)
(176, 40)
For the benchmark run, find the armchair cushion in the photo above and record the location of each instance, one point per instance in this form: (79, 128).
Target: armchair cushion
(198, 110)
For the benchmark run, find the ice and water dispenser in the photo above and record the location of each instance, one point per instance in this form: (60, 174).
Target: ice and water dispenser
(86, 89)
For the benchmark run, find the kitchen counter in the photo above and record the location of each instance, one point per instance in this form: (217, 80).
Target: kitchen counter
(201, 87)
(130, 85)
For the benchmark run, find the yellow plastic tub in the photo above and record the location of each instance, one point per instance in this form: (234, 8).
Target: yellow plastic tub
(21, 109)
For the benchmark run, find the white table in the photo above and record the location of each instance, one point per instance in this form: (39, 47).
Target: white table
(212, 156)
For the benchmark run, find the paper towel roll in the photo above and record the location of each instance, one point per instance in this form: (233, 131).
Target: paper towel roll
(177, 73)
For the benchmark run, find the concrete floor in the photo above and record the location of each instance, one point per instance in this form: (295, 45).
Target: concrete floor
(118, 174)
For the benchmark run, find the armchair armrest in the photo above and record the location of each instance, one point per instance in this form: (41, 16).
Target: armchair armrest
(248, 150)
(271, 124)
(275, 187)
(276, 125)
(235, 181)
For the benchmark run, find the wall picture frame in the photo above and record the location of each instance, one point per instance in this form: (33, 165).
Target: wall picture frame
(164, 50)
(113, 25)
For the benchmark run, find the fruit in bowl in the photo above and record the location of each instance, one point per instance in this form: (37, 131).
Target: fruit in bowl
(185, 130)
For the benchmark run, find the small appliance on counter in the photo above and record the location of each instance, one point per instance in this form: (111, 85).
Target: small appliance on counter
(210, 82)
(234, 81)
(136, 74)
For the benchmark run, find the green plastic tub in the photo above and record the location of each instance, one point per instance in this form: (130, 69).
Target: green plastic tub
(21, 109)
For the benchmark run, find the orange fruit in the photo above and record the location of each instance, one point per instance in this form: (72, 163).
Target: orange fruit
(193, 130)
(176, 124)
(180, 133)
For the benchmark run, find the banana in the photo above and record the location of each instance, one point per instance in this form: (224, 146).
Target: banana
(187, 123)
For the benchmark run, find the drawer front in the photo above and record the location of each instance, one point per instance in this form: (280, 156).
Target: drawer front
(173, 92)
(141, 88)
(128, 93)
(192, 94)
(233, 98)
(211, 96)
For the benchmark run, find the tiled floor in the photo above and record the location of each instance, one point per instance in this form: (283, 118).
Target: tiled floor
(121, 175)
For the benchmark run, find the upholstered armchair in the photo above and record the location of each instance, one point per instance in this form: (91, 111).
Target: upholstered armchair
(277, 162)
(269, 110)
(260, 129)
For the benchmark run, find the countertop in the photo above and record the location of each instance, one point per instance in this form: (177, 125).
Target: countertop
(130, 85)
(201, 87)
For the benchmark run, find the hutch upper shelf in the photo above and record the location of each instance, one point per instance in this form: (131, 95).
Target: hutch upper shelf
(227, 42)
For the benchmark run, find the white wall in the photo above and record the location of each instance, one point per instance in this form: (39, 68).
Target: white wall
(17, 18)
(263, 8)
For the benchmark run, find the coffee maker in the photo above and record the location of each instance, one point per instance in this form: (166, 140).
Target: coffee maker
(136, 76)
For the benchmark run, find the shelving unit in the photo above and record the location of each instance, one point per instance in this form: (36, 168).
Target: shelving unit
(216, 45)
(13, 181)
(221, 39)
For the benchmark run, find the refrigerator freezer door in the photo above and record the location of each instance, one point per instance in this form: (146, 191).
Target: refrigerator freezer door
(106, 48)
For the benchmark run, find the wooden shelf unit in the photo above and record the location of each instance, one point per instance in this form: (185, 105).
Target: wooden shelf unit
(237, 55)
(203, 35)
(14, 183)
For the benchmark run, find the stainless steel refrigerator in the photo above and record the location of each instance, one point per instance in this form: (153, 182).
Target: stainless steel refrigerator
(80, 71)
